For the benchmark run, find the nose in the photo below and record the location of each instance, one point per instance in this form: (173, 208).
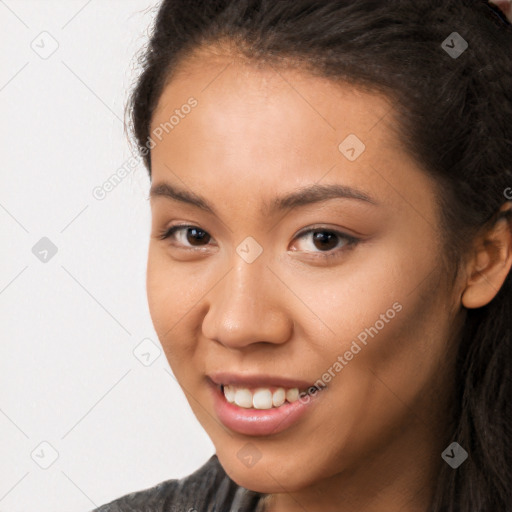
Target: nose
(247, 307)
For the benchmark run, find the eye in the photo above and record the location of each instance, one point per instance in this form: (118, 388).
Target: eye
(192, 236)
(329, 242)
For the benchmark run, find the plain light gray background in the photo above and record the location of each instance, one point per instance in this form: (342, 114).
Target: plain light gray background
(87, 412)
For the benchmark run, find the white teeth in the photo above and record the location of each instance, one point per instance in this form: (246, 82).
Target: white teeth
(243, 398)
(278, 397)
(292, 394)
(229, 393)
(261, 398)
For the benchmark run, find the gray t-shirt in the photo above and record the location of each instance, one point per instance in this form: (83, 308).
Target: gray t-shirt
(208, 489)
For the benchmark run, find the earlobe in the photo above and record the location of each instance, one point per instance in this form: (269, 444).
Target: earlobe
(491, 263)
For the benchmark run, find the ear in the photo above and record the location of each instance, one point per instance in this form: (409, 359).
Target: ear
(490, 264)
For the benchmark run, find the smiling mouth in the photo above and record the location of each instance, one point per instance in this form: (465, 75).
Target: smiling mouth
(262, 397)
(262, 405)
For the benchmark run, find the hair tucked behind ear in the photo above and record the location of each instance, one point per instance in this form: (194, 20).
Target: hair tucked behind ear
(454, 117)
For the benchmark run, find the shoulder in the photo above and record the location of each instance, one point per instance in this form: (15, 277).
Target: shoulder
(194, 493)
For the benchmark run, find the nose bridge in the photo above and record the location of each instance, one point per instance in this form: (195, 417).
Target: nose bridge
(245, 307)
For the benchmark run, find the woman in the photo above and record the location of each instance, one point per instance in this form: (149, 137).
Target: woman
(329, 270)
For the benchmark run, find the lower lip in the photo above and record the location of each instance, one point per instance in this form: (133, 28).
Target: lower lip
(259, 422)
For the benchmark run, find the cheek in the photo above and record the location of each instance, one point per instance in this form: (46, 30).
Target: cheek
(403, 335)
(350, 299)
(384, 314)
(391, 326)
(160, 290)
(167, 291)
(173, 291)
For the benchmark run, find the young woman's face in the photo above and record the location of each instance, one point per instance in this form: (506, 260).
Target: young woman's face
(346, 291)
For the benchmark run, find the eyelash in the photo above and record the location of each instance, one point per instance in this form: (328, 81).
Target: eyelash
(351, 241)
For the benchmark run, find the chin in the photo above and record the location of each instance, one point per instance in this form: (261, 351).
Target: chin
(258, 481)
(264, 476)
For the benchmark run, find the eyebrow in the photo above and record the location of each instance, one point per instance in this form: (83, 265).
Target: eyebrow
(304, 196)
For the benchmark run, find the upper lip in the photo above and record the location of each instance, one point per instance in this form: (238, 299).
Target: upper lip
(261, 380)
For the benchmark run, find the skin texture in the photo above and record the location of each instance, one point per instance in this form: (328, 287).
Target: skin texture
(373, 439)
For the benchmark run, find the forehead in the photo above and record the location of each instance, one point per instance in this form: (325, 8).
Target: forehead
(236, 86)
(262, 114)
(260, 130)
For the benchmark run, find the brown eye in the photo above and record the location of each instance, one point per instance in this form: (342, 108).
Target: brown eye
(325, 240)
(195, 237)
(326, 243)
